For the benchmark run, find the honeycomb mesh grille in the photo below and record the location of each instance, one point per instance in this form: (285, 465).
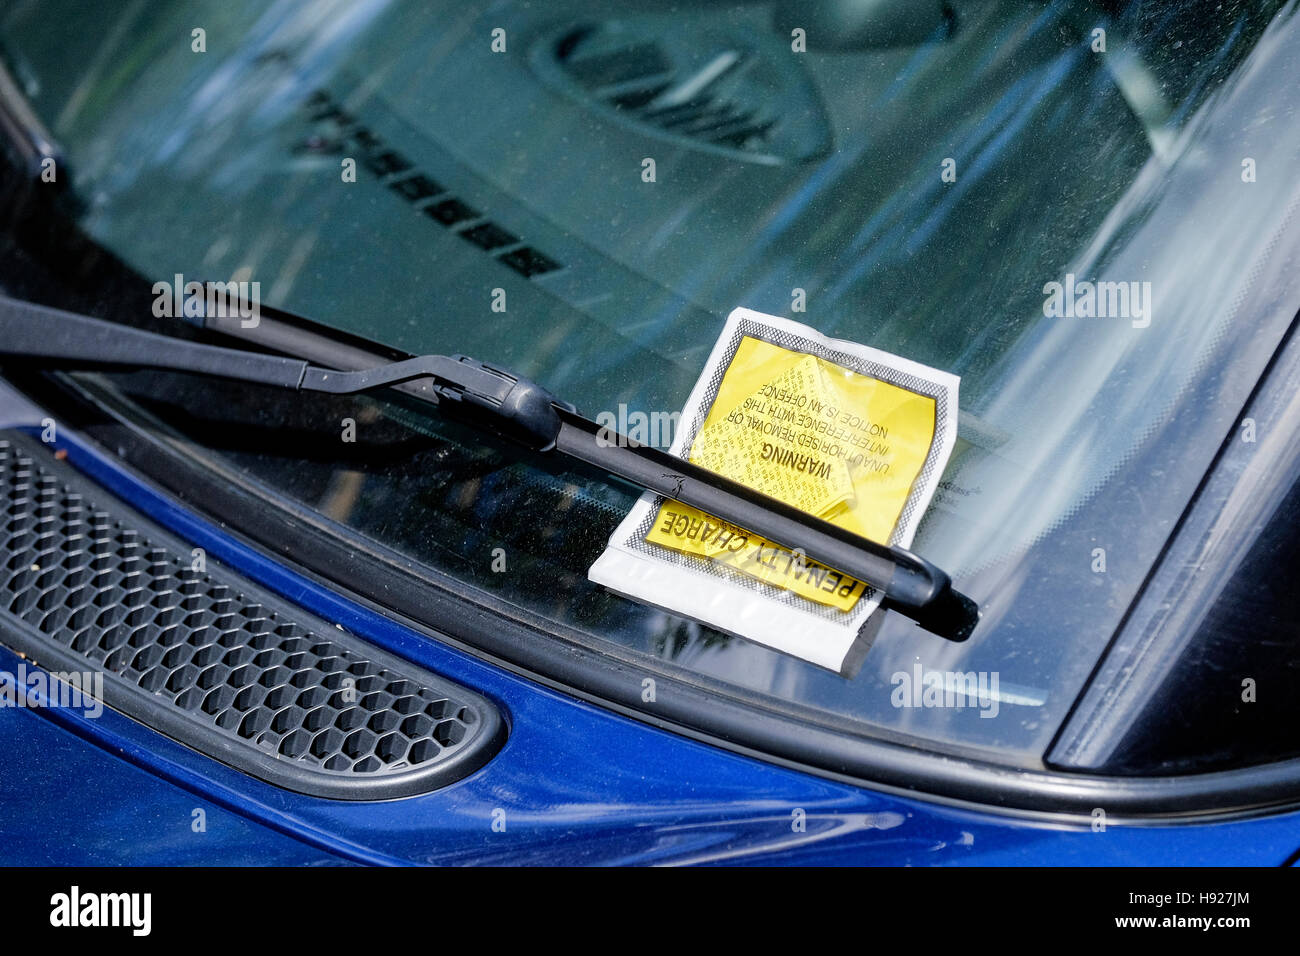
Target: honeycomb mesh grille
(210, 659)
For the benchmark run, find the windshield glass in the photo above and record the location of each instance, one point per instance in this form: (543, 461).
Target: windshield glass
(1078, 208)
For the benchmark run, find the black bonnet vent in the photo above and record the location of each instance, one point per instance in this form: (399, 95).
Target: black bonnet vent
(209, 658)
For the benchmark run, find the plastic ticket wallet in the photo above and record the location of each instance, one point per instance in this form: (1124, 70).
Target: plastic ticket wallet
(843, 431)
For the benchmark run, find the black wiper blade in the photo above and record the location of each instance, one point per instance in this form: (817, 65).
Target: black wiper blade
(911, 585)
(521, 410)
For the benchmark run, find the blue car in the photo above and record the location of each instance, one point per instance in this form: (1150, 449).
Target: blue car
(288, 579)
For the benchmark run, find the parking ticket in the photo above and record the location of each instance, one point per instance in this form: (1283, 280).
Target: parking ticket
(842, 431)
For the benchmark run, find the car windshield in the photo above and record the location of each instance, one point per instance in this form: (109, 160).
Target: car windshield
(1078, 208)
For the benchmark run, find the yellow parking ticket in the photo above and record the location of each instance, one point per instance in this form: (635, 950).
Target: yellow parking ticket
(849, 433)
(836, 443)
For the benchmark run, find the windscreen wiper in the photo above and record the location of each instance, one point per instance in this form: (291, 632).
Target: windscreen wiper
(520, 410)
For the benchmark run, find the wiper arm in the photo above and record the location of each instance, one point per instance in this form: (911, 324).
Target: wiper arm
(65, 339)
(525, 412)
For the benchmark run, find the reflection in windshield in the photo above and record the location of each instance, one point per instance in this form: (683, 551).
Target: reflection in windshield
(922, 196)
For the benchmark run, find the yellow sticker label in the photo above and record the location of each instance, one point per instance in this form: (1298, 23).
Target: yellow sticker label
(835, 443)
(691, 531)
